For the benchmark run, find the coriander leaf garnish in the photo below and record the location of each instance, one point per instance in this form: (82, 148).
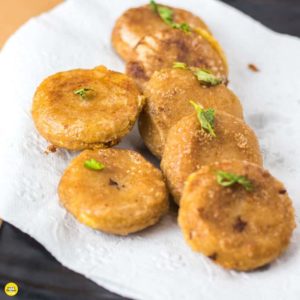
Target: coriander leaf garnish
(82, 92)
(228, 179)
(206, 77)
(180, 65)
(93, 164)
(206, 118)
(183, 26)
(166, 14)
(154, 6)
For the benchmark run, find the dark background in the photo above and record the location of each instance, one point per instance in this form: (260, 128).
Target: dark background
(38, 275)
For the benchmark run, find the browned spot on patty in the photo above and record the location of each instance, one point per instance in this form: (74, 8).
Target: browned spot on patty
(283, 191)
(113, 183)
(182, 47)
(200, 211)
(239, 225)
(136, 70)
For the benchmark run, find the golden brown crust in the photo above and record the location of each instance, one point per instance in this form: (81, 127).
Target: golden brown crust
(128, 195)
(135, 23)
(161, 49)
(237, 229)
(168, 93)
(101, 120)
(189, 147)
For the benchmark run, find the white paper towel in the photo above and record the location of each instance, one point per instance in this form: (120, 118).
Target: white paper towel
(156, 263)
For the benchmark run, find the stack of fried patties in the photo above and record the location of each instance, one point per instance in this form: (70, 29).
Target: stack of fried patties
(231, 209)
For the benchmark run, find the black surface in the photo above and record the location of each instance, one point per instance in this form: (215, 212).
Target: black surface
(280, 15)
(38, 274)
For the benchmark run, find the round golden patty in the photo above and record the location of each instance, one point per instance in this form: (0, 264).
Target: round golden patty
(242, 223)
(168, 94)
(161, 49)
(82, 109)
(135, 23)
(189, 147)
(114, 190)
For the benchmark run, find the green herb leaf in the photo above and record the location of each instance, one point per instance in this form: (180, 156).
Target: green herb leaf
(180, 65)
(93, 164)
(154, 6)
(205, 77)
(82, 92)
(206, 118)
(166, 14)
(183, 26)
(228, 179)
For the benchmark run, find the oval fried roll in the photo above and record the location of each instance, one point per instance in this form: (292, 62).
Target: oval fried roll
(113, 190)
(236, 226)
(135, 23)
(161, 49)
(168, 94)
(189, 147)
(81, 109)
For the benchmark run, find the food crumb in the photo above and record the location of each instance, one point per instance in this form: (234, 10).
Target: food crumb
(213, 256)
(253, 68)
(50, 149)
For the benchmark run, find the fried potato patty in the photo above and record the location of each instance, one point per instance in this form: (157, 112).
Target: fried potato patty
(189, 147)
(161, 49)
(237, 228)
(81, 109)
(168, 94)
(127, 195)
(135, 23)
